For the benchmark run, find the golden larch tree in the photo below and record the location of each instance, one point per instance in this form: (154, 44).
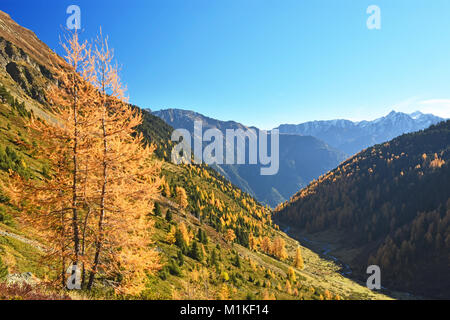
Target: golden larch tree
(127, 180)
(92, 205)
(298, 261)
(266, 245)
(291, 275)
(185, 233)
(279, 248)
(55, 203)
(182, 198)
(252, 242)
(230, 236)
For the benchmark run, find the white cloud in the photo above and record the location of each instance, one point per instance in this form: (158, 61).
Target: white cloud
(438, 107)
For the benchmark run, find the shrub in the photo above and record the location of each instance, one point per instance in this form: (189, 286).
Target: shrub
(27, 292)
(157, 210)
(196, 251)
(5, 217)
(250, 296)
(163, 274)
(174, 269)
(11, 160)
(169, 215)
(180, 258)
(3, 198)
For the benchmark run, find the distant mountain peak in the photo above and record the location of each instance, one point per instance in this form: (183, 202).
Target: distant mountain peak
(351, 137)
(392, 113)
(416, 114)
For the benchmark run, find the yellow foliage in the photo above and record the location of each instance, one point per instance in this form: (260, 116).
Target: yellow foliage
(288, 287)
(266, 245)
(230, 236)
(185, 233)
(224, 293)
(291, 275)
(171, 235)
(182, 198)
(298, 262)
(279, 249)
(437, 162)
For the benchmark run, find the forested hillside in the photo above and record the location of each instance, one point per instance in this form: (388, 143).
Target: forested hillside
(391, 202)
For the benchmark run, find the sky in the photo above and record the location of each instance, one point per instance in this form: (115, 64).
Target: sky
(267, 62)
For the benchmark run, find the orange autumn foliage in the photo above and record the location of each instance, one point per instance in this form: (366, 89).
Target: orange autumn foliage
(92, 207)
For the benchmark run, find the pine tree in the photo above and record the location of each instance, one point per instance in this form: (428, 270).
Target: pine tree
(237, 261)
(179, 241)
(168, 215)
(213, 258)
(180, 258)
(157, 209)
(202, 237)
(196, 251)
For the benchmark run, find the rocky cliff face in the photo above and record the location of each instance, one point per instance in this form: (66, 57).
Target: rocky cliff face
(26, 64)
(23, 70)
(31, 48)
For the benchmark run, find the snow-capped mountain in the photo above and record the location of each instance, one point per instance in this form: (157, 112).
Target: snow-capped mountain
(351, 137)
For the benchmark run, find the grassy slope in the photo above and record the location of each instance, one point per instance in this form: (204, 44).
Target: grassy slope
(318, 275)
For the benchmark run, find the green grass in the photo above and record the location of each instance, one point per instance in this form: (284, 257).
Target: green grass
(21, 257)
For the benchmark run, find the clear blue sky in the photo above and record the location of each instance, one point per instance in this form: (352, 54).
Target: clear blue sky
(264, 62)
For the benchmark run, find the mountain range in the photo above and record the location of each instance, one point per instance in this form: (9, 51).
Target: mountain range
(302, 159)
(307, 150)
(352, 137)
